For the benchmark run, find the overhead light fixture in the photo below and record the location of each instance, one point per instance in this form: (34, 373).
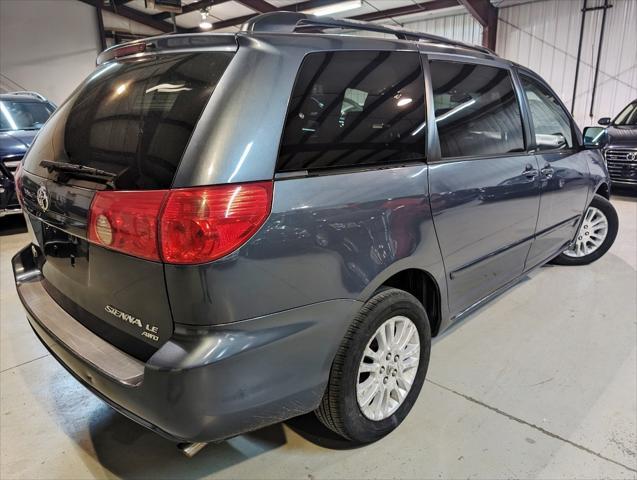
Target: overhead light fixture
(205, 24)
(336, 8)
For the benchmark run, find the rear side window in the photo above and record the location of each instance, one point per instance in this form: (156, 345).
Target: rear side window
(352, 109)
(552, 125)
(477, 111)
(134, 118)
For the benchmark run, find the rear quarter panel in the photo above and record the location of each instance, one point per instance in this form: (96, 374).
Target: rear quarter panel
(328, 237)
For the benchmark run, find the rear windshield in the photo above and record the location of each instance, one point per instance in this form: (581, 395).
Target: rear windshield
(134, 118)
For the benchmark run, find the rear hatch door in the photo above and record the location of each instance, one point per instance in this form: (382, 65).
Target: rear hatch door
(125, 128)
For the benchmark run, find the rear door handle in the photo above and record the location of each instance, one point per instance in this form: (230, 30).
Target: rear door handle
(529, 172)
(547, 171)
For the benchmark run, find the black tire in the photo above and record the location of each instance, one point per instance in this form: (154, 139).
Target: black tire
(608, 210)
(339, 410)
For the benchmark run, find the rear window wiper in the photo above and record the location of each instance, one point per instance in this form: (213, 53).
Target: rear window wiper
(73, 168)
(80, 171)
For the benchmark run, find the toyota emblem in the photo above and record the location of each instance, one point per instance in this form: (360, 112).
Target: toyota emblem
(43, 198)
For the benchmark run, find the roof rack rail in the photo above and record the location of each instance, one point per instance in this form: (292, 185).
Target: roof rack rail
(290, 22)
(28, 93)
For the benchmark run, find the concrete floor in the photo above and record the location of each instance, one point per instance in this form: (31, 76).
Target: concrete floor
(540, 383)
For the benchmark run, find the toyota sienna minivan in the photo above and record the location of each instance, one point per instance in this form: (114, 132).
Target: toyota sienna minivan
(230, 230)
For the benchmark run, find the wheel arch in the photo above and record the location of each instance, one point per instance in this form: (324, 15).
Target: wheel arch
(603, 190)
(422, 285)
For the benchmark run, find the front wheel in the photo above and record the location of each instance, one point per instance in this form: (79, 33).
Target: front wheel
(379, 368)
(595, 236)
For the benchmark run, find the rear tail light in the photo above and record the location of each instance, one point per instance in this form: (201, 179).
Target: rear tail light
(183, 226)
(203, 224)
(127, 222)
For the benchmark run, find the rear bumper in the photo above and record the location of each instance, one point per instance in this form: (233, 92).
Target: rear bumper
(204, 384)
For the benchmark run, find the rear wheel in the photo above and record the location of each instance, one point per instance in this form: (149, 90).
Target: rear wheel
(379, 368)
(595, 236)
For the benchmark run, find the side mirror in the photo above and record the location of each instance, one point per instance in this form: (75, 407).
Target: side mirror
(604, 121)
(594, 137)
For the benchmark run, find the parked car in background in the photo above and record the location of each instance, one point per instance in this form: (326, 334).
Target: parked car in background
(227, 231)
(618, 137)
(22, 114)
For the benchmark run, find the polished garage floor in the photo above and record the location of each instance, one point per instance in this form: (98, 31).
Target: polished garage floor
(541, 383)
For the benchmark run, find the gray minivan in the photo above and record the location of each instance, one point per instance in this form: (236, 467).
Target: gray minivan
(230, 230)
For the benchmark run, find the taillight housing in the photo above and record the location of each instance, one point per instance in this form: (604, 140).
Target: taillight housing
(202, 224)
(127, 221)
(181, 226)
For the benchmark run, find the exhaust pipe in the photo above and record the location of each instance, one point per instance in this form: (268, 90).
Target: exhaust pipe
(191, 449)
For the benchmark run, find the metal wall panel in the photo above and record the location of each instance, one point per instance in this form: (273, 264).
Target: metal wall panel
(543, 35)
(461, 27)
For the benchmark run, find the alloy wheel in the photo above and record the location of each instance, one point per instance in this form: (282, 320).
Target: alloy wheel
(388, 368)
(591, 235)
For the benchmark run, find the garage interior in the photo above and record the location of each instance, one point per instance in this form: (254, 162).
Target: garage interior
(540, 383)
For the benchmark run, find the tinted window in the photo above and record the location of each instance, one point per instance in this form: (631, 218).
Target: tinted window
(477, 112)
(355, 108)
(134, 118)
(20, 115)
(551, 123)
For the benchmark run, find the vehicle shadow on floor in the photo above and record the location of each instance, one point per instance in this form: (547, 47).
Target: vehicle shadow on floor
(129, 450)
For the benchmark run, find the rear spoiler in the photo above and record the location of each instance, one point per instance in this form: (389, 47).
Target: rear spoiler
(217, 41)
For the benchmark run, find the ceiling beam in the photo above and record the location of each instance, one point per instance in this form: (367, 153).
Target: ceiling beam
(479, 9)
(100, 25)
(407, 10)
(260, 6)
(307, 5)
(231, 22)
(295, 7)
(487, 16)
(191, 7)
(134, 15)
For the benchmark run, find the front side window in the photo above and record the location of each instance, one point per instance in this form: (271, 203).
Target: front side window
(551, 123)
(477, 111)
(628, 116)
(353, 109)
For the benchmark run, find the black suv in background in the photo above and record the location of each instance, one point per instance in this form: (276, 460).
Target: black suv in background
(620, 145)
(22, 114)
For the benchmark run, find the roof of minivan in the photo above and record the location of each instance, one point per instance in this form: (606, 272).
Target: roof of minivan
(306, 31)
(340, 41)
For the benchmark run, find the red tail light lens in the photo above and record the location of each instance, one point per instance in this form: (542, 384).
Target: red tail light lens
(183, 226)
(202, 224)
(127, 222)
